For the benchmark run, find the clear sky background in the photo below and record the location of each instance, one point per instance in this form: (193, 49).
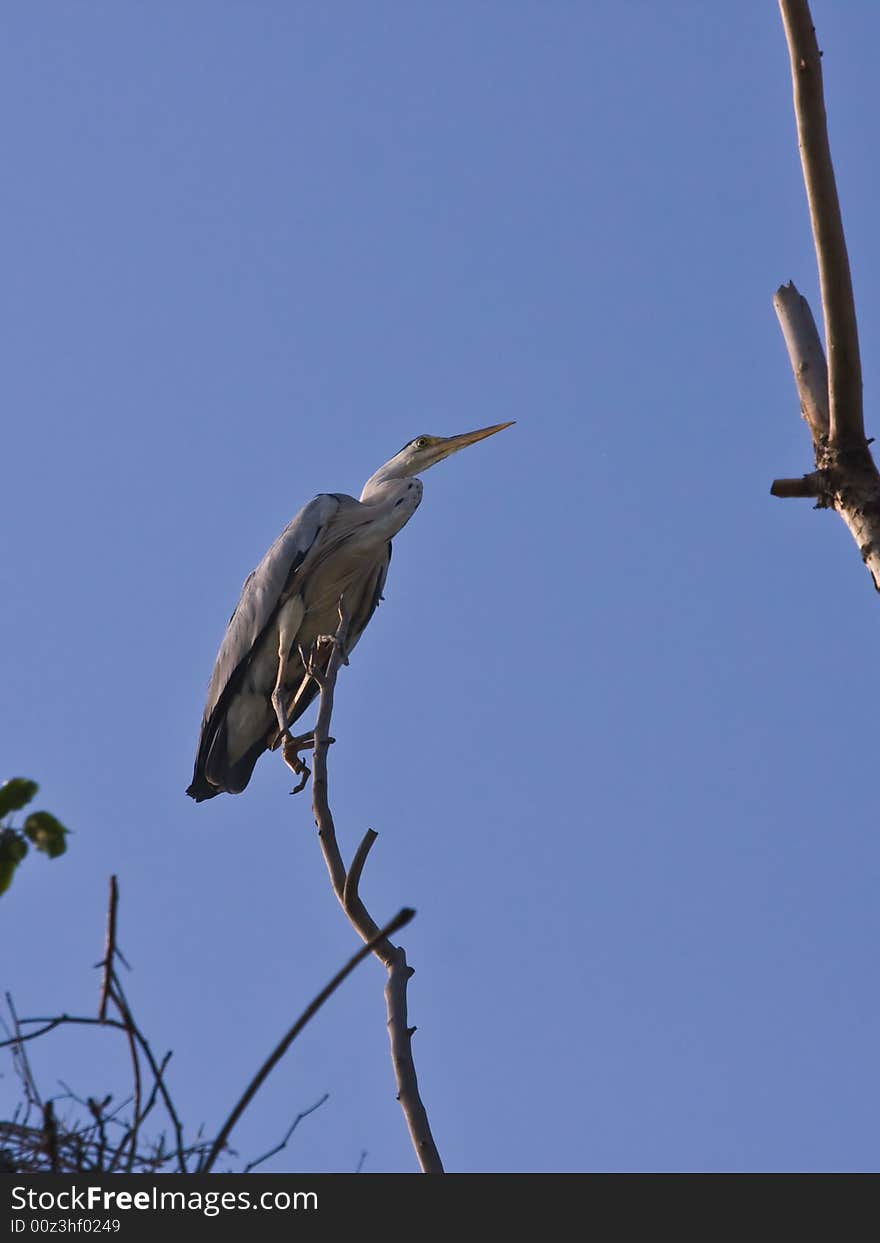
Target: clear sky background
(616, 721)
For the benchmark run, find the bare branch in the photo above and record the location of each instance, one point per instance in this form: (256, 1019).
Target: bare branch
(252, 1165)
(320, 804)
(841, 332)
(846, 478)
(401, 918)
(806, 355)
(96, 1109)
(345, 886)
(154, 1091)
(20, 1056)
(353, 878)
(60, 1020)
(50, 1131)
(401, 1036)
(122, 1006)
(814, 486)
(158, 1076)
(109, 948)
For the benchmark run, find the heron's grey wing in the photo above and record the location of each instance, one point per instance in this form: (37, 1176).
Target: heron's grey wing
(370, 598)
(264, 591)
(364, 601)
(364, 608)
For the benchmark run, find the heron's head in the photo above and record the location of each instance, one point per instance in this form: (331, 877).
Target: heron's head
(426, 451)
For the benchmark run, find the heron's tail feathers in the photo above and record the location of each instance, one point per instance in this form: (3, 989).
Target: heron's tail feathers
(213, 773)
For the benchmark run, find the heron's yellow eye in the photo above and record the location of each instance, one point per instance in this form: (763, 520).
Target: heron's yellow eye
(421, 442)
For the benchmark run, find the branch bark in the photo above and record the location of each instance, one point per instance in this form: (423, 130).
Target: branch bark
(345, 884)
(838, 304)
(846, 477)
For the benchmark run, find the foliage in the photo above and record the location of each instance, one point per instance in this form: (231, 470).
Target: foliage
(41, 829)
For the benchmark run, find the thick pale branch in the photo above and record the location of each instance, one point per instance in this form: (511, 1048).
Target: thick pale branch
(400, 1035)
(807, 357)
(846, 423)
(845, 478)
(860, 510)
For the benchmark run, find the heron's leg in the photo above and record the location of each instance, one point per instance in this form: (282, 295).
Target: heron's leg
(290, 747)
(277, 694)
(314, 673)
(314, 664)
(304, 684)
(331, 640)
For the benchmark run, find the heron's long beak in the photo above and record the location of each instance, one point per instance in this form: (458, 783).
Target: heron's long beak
(452, 444)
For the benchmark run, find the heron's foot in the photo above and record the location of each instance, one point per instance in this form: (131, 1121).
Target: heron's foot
(315, 664)
(316, 661)
(290, 749)
(328, 642)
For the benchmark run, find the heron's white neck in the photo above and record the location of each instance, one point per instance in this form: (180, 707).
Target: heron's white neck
(393, 501)
(393, 470)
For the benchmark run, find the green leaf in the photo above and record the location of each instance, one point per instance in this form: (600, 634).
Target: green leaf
(15, 793)
(46, 833)
(13, 849)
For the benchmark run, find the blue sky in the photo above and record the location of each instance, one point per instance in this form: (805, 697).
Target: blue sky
(615, 723)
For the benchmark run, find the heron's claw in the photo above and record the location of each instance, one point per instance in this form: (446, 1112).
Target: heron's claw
(301, 784)
(330, 641)
(290, 749)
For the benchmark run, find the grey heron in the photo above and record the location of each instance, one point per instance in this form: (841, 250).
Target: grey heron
(335, 548)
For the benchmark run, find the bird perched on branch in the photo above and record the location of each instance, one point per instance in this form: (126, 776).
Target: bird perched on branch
(335, 549)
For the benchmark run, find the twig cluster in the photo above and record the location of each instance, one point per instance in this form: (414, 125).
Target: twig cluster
(100, 1136)
(95, 1135)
